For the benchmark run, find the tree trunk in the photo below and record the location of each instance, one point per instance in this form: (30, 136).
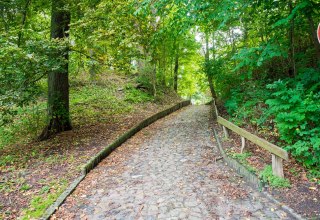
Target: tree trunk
(164, 64)
(5, 23)
(313, 35)
(23, 22)
(58, 82)
(92, 69)
(208, 73)
(154, 79)
(292, 68)
(176, 69)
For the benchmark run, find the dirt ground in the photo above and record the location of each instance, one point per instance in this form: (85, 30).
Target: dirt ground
(47, 168)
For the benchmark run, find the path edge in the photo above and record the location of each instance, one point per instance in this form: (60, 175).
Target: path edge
(107, 150)
(251, 178)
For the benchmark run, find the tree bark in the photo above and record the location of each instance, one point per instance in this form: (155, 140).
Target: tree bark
(92, 69)
(176, 69)
(23, 22)
(313, 35)
(58, 82)
(164, 64)
(292, 68)
(154, 79)
(209, 75)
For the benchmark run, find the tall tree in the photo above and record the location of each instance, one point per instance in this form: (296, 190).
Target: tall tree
(176, 67)
(58, 82)
(208, 68)
(23, 22)
(292, 68)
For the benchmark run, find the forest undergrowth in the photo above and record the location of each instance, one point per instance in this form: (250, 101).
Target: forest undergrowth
(33, 174)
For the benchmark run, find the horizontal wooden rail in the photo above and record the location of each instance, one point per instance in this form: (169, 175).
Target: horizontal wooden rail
(254, 139)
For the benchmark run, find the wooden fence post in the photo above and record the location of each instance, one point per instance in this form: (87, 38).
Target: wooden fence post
(277, 166)
(225, 131)
(243, 144)
(215, 108)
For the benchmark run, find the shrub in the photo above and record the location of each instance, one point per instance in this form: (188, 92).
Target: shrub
(295, 106)
(246, 102)
(266, 176)
(21, 68)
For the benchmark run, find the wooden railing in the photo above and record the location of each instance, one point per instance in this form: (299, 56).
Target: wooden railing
(278, 154)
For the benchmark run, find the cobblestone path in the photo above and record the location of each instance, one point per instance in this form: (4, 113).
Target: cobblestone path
(168, 171)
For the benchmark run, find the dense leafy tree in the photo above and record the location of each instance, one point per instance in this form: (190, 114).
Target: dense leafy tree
(169, 44)
(58, 79)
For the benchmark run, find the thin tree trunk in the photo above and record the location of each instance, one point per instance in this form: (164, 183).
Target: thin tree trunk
(171, 71)
(58, 82)
(5, 23)
(92, 70)
(176, 69)
(292, 70)
(23, 23)
(209, 75)
(164, 64)
(213, 47)
(154, 79)
(313, 35)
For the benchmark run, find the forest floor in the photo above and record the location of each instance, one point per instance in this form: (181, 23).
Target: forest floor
(168, 171)
(303, 195)
(33, 174)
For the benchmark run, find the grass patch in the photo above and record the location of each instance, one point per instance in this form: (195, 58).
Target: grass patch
(133, 95)
(46, 197)
(242, 158)
(25, 187)
(88, 104)
(6, 160)
(294, 172)
(26, 125)
(273, 181)
(314, 175)
(96, 104)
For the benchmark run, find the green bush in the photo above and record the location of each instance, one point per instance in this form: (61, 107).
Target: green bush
(21, 68)
(289, 108)
(28, 123)
(295, 106)
(246, 103)
(266, 176)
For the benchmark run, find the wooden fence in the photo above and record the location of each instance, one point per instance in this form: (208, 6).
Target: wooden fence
(278, 154)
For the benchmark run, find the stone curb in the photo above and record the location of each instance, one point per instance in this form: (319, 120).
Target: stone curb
(105, 152)
(251, 178)
(52, 209)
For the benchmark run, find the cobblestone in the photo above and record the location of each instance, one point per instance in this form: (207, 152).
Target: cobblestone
(168, 173)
